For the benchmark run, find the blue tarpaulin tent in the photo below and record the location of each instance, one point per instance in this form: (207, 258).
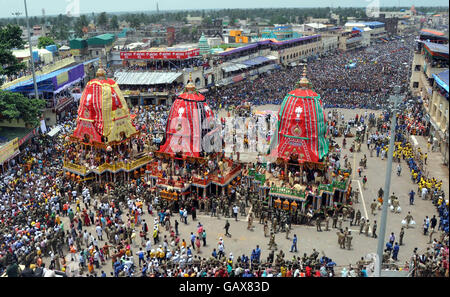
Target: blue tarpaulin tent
(442, 79)
(52, 82)
(255, 61)
(52, 48)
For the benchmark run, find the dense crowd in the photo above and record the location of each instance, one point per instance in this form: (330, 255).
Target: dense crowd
(136, 231)
(378, 69)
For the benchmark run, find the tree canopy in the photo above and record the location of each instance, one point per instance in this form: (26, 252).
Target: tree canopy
(16, 105)
(10, 38)
(60, 27)
(44, 41)
(114, 22)
(80, 23)
(102, 20)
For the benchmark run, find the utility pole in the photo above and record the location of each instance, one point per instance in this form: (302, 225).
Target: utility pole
(31, 52)
(387, 184)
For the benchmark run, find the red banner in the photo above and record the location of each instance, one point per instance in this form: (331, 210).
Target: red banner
(159, 55)
(26, 137)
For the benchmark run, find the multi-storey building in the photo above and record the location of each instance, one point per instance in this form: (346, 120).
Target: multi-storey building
(438, 113)
(429, 58)
(429, 81)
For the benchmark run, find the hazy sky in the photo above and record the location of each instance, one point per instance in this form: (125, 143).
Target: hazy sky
(54, 7)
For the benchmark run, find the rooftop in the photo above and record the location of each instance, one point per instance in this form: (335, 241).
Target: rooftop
(437, 47)
(442, 79)
(432, 32)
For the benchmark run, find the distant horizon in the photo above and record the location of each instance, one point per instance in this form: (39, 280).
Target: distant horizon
(56, 7)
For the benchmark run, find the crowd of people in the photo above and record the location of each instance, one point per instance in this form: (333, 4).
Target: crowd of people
(50, 222)
(378, 69)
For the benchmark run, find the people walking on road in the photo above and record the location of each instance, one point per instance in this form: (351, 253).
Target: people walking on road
(294, 244)
(227, 227)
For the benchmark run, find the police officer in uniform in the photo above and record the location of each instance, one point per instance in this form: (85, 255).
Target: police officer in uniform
(348, 240)
(366, 228)
(361, 226)
(272, 244)
(374, 229)
(327, 222)
(335, 219)
(357, 218)
(402, 233)
(318, 224)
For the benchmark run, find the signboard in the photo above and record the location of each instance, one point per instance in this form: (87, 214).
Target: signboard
(9, 150)
(62, 78)
(26, 137)
(159, 55)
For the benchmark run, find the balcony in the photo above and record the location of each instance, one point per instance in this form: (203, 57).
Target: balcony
(354, 39)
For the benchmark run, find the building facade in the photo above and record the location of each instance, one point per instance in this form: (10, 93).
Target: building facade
(438, 112)
(429, 81)
(295, 50)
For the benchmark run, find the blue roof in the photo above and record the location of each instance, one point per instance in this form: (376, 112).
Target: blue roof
(374, 24)
(255, 61)
(437, 47)
(40, 78)
(90, 61)
(268, 41)
(442, 79)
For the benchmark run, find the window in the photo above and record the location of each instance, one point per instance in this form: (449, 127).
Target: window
(415, 84)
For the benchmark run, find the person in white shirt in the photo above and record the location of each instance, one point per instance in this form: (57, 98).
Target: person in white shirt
(99, 232)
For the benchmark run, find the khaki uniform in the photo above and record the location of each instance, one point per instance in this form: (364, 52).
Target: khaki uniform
(357, 218)
(318, 224)
(361, 226)
(366, 228)
(341, 239)
(272, 244)
(348, 241)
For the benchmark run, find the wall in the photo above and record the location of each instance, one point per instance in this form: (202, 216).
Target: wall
(329, 43)
(297, 53)
(16, 123)
(196, 73)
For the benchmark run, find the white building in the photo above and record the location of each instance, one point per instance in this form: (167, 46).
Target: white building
(330, 43)
(377, 31)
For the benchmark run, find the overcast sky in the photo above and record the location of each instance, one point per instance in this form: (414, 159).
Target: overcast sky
(54, 7)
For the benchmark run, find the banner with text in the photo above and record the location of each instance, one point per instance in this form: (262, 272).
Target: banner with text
(159, 55)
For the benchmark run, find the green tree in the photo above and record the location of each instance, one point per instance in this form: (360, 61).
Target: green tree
(207, 20)
(80, 23)
(60, 27)
(16, 105)
(10, 38)
(134, 21)
(102, 20)
(185, 30)
(44, 41)
(114, 22)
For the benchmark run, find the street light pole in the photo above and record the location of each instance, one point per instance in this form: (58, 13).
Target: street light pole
(31, 52)
(387, 184)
